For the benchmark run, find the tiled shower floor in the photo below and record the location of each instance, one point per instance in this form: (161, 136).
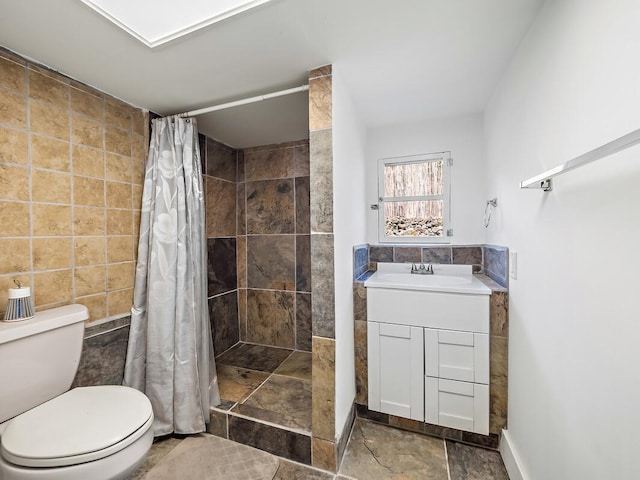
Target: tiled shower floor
(269, 384)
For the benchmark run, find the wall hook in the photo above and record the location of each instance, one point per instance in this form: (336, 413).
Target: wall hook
(488, 209)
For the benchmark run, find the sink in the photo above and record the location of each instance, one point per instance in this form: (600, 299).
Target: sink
(446, 278)
(422, 280)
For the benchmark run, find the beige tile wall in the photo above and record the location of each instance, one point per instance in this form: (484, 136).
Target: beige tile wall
(71, 174)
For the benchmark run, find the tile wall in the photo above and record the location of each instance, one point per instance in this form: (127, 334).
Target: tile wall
(220, 165)
(103, 353)
(71, 174)
(274, 247)
(257, 204)
(326, 442)
(495, 264)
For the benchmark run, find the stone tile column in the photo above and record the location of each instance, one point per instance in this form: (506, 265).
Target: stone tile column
(324, 451)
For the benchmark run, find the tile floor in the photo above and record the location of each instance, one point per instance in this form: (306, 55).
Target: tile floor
(379, 452)
(268, 384)
(273, 386)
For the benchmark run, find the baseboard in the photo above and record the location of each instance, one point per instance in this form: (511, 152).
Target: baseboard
(511, 459)
(346, 433)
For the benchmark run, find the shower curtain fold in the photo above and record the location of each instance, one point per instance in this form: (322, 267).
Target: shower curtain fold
(170, 353)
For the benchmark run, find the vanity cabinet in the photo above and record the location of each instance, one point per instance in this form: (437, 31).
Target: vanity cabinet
(420, 369)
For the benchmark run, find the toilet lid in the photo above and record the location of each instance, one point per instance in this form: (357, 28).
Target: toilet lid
(81, 425)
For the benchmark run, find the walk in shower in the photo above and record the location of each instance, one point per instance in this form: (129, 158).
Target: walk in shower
(259, 271)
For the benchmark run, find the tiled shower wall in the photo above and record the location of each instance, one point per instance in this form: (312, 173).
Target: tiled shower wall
(257, 203)
(71, 174)
(220, 173)
(274, 257)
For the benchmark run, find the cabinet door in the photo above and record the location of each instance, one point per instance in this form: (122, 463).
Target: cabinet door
(460, 405)
(396, 370)
(457, 355)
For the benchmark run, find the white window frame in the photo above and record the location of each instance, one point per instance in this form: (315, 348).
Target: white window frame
(445, 197)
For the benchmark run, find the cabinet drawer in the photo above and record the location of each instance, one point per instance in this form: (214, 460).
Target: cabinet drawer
(451, 311)
(457, 355)
(454, 404)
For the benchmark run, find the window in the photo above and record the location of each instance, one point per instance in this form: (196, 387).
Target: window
(414, 196)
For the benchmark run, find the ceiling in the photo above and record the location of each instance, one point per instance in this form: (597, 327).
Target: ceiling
(403, 61)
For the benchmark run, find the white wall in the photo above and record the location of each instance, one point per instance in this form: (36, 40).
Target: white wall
(349, 228)
(463, 136)
(574, 347)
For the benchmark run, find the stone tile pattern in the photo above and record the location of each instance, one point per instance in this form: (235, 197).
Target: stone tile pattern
(486, 441)
(360, 260)
(378, 452)
(221, 268)
(103, 354)
(281, 400)
(451, 254)
(223, 317)
(499, 355)
(284, 398)
(373, 453)
(219, 165)
(496, 264)
(499, 329)
(274, 258)
(266, 394)
(254, 357)
(325, 441)
(470, 463)
(71, 173)
(293, 471)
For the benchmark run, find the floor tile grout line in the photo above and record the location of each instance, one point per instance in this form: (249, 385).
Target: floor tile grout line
(239, 344)
(256, 389)
(292, 377)
(269, 423)
(305, 466)
(242, 368)
(270, 377)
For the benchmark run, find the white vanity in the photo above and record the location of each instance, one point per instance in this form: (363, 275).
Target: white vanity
(428, 345)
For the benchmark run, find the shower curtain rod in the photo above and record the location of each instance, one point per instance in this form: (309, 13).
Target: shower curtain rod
(244, 101)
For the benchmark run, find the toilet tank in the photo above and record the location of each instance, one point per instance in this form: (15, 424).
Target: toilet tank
(39, 357)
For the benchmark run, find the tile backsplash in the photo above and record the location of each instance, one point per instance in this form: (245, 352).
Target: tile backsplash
(489, 259)
(71, 174)
(496, 263)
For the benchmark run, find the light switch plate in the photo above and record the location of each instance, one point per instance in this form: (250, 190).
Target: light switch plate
(513, 265)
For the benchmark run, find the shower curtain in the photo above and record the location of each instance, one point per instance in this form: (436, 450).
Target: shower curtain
(170, 352)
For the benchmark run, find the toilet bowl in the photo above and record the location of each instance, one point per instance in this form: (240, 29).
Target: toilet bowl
(49, 433)
(87, 433)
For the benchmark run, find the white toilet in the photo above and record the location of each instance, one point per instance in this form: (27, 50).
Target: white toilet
(48, 432)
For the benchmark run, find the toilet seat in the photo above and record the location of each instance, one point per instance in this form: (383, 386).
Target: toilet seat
(79, 426)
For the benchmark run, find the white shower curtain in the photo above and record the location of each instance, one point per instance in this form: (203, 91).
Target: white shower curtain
(170, 353)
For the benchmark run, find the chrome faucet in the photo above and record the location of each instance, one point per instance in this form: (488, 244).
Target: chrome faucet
(422, 269)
